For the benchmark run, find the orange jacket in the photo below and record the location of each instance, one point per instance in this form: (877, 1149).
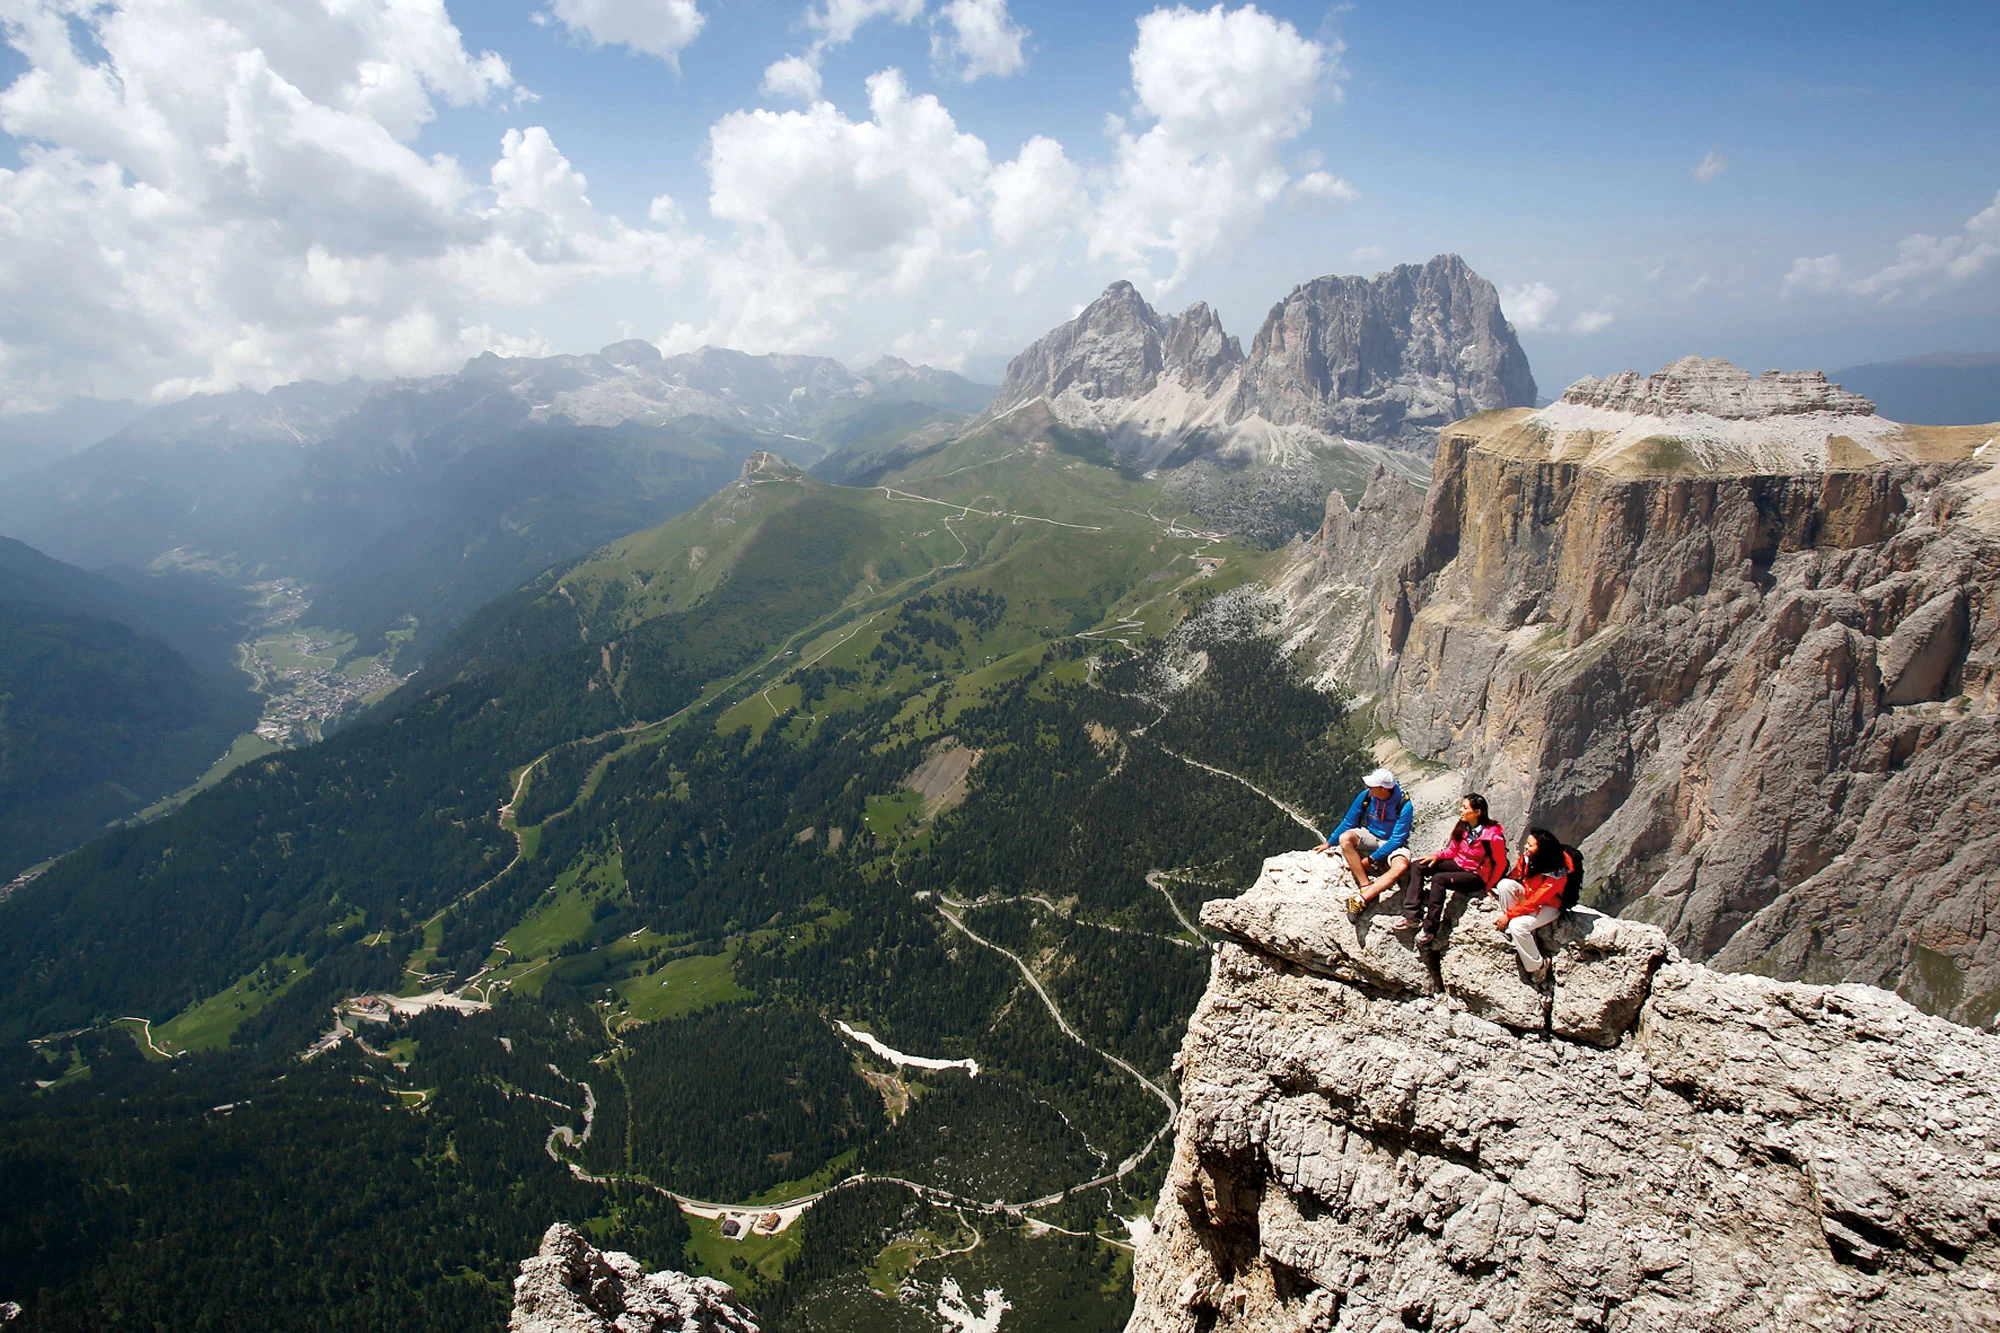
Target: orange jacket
(1539, 891)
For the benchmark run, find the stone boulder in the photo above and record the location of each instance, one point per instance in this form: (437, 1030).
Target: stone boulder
(573, 1287)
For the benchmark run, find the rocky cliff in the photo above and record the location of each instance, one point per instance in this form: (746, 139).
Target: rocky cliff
(1386, 360)
(573, 1287)
(1370, 1142)
(1739, 631)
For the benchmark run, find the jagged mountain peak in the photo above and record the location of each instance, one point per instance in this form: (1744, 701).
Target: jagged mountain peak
(1388, 359)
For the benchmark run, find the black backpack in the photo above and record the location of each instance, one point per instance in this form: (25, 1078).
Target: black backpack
(1573, 886)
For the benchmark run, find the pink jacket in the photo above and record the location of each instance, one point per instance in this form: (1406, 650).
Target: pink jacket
(1482, 850)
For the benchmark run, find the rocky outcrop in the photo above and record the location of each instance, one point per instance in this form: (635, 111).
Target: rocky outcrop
(1386, 360)
(1367, 1144)
(1390, 359)
(1755, 660)
(573, 1287)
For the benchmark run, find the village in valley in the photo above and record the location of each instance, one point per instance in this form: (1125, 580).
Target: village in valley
(310, 678)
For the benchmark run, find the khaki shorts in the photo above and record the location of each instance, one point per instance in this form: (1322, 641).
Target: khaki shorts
(1371, 847)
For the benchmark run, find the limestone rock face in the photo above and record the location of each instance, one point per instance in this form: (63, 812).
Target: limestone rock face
(1714, 387)
(1386, 360)
(1728, 1152)
(572, 1287)
(1391, 359)
(1752, 667)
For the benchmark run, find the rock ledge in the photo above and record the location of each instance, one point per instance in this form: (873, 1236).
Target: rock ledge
(1366, 1146)
(573, 1287)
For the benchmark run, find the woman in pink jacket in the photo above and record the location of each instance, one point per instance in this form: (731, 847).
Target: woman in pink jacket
(1471, 862)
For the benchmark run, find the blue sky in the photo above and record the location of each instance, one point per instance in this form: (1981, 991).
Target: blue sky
(210, 193)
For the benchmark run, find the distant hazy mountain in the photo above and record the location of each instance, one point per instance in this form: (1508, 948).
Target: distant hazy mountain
(112, 695)
(1943, 389)
(425, 497)
(30, 440)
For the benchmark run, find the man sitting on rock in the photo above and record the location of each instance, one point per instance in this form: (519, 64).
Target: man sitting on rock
(1374, 839)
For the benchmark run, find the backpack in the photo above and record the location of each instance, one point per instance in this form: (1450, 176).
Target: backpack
(1493, 868)
(1573, 886)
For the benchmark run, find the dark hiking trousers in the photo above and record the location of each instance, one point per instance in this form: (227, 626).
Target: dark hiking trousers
(1430, 886)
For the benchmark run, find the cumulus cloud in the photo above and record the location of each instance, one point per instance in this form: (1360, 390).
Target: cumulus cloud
(793, 77)
(1037, 196)
(204, 204)
(1319, 185)
(1530, 306)
(1712, 164)
(662, 28)
(1925, 263)
(836, 21)
(1813, 273)
(824, 206)
(977, 38)
(1225, 90)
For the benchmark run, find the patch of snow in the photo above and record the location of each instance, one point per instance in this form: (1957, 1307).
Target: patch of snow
(896, 1057)
(1139, 1228)
(957, 1312)
(1788, 442)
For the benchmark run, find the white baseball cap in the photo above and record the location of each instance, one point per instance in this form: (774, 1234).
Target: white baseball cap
(1381, 777)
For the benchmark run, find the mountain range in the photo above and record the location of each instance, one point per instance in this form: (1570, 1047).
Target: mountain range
(407, 503)
(813, 889)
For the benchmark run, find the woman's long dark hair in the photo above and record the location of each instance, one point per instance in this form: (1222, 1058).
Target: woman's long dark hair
(1478, 803)
(1548, 856)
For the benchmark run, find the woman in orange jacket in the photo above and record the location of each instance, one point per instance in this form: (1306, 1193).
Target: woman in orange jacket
(1531, 896)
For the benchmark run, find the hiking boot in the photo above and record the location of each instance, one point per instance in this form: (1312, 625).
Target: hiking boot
(1425, 939)
(1402, 925)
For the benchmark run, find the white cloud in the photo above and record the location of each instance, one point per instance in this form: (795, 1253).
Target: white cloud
(1926, 263)
(1037, 196)
(1322, 186)
(1225, 90)
(1808, 273)
(662, 28)
(203, 204)
(1367, 254)
(1712, 164)
(1595, 320)
(1530, 306)
(836, 21)
(794, 77)
(825, 207)
(981, 40)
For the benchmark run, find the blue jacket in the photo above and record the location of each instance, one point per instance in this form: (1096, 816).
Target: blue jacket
(1388, 820)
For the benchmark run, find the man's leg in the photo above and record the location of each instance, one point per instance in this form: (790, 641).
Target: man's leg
(1350, 852)
(1399, 866)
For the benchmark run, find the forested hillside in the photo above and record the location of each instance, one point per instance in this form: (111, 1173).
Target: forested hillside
(112, 695)
(926, 760)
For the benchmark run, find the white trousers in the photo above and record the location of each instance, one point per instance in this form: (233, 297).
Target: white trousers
(1521, 930)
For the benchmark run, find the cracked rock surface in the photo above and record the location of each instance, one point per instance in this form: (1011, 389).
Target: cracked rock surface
(1362, 1150)
(573, 1287)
